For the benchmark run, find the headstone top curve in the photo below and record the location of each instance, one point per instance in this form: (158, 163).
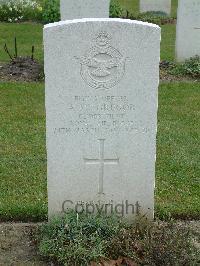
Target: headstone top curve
(85, 20)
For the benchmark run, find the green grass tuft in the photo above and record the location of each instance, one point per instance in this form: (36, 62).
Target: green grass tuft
(81, 239)
(191, 68)
(77, 239)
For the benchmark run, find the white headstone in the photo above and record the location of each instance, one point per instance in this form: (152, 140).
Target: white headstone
(102, 78)
(75, 9)
(155, 5)
(188, 29)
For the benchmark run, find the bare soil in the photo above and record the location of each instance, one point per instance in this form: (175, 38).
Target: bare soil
(17, 247)
(166, 77)
(21, 69)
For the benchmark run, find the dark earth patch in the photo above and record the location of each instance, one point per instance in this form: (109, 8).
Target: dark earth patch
(17, 246)
(21, 69)
(165, 76)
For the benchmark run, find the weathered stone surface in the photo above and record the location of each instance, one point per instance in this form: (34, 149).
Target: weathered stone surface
(155, 5)
(188, 29)
(75, 9)
(102, 77)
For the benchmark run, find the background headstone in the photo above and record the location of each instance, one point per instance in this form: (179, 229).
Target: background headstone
(188, 29)
(101, 84)
(75, 9)
(155, 5)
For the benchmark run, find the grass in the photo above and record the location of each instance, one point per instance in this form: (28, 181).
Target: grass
(22, 152)
(168, 42)
(27, 34)
(23, 157)
(31, 34)
(131, 5)
(178, 157)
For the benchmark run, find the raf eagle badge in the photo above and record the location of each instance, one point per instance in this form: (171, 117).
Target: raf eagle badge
(103, 66)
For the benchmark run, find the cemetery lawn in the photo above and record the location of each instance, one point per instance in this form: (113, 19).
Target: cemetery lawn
(178, 146)
(168, 42)
(29, 34)
(23, 194)
(22, 152)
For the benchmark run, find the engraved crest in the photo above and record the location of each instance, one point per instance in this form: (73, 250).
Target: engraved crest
(103, 66)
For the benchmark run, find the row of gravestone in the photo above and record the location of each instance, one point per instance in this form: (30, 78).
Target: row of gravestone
(96, 8)
(188, 23)
(101, 91)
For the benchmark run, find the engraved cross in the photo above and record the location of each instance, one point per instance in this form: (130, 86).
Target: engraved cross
(101, 162)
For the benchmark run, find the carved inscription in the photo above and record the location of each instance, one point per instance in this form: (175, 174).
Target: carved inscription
(100, 114)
